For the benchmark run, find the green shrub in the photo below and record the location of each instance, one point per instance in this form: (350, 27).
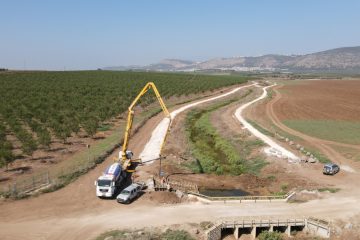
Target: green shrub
(214, 153)
(146, 235)
(116, 234)
(260, 128)
(271, 177)
(176, 235)
(329, 189)
(266, 235)
(284, 187)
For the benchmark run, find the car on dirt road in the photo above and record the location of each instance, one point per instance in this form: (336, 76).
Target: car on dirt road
(130, 193)
(331, 169)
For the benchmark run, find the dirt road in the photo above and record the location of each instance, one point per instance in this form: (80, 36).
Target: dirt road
(90, 224)
(74, 212)
(273, 145)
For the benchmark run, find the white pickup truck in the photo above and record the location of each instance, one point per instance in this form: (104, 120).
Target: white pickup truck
(130, 193)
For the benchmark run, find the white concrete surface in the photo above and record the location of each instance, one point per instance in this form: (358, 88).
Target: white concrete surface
(152, 148)
(274, 148)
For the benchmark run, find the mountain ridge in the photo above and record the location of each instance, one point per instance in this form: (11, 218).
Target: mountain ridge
(344, 59)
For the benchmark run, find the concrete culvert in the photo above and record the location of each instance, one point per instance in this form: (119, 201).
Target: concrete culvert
(245, 232)
(260, 230)
(227, 233)
(281, 229)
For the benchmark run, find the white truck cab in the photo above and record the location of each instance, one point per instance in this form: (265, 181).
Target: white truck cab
(107, 184)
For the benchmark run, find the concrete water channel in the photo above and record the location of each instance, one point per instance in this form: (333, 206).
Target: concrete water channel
(252, 227)
(223, 192)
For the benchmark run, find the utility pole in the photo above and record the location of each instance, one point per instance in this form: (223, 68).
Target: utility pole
(88, 147)
(160, 172)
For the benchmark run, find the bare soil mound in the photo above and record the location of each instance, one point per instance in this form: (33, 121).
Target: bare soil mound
(163, 197)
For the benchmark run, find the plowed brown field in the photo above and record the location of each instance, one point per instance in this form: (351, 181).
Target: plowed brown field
(319, 100)
(311, 105)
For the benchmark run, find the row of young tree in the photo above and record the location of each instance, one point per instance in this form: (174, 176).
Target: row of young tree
(6, 155)
(39, 106)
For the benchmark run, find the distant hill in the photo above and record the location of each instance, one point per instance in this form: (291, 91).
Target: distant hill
(339, 60)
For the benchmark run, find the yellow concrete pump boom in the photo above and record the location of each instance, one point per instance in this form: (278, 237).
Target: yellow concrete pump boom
(130, 116)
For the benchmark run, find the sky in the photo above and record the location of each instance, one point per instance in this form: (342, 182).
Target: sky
(90, 34)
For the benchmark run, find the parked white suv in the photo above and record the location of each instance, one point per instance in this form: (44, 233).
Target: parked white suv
(129, 193)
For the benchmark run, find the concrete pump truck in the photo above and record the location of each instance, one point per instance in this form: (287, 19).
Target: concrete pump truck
(113, 177)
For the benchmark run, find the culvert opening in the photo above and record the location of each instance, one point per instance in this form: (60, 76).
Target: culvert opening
(227, 232)
(281, 229)
(244, 231)
(261, 229)
(295, 229)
